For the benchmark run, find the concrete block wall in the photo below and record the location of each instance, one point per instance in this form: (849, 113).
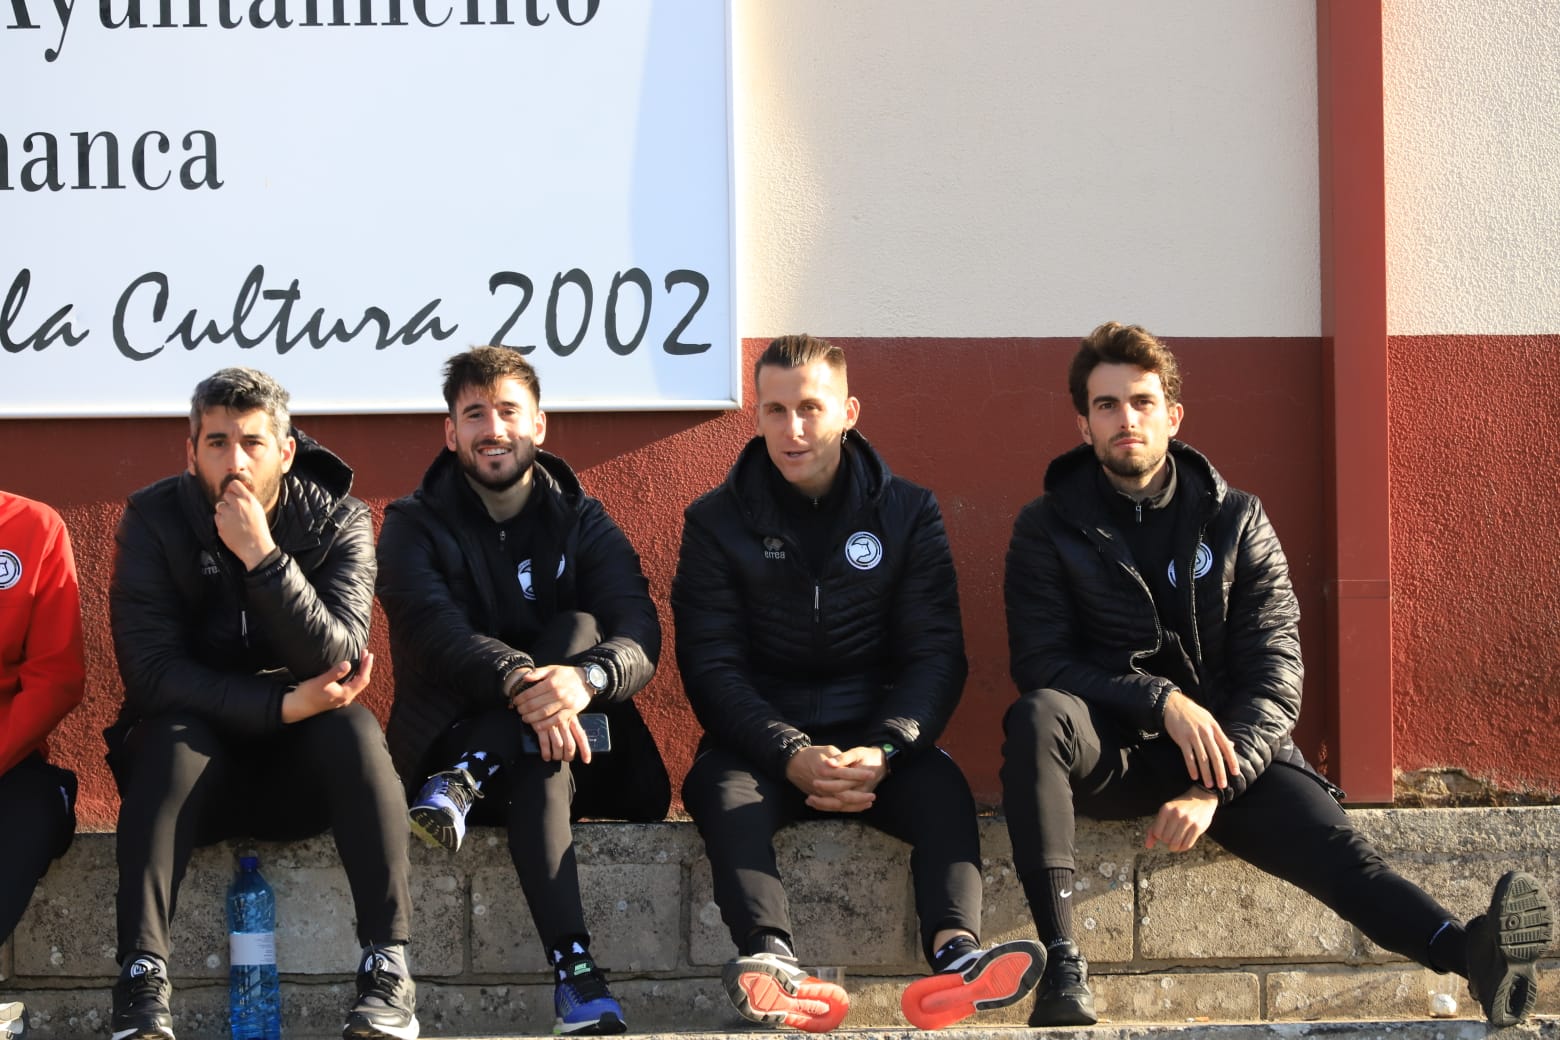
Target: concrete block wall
(1198, 937)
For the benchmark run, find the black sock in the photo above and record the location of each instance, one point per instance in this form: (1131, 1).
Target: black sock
(1449, 949)
(1050, 891)
(480, 765)
(769, 940)
(952, 950)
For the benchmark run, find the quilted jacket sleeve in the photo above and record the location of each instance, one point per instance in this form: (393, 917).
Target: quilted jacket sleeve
(318, 619)
(713, 655)
(429, 629)
(151, 636)
(1047, 618)
(927, 639)
(1262, 648)
(614, 591)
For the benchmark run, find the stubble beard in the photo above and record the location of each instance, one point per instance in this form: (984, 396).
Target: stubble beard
(524, 457)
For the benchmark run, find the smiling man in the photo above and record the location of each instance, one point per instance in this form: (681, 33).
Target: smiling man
(239, 607)
(1155, 644)
(518, 617)
(819, 640)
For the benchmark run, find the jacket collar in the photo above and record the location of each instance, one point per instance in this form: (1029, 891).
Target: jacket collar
(1072, 485)
(749, 484)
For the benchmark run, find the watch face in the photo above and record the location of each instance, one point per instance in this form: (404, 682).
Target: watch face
(596, 676)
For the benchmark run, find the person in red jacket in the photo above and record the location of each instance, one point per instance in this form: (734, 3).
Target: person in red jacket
(41, 680)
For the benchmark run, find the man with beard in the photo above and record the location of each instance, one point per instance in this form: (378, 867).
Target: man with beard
(518, 615)
(240, 609)
(1155, 644)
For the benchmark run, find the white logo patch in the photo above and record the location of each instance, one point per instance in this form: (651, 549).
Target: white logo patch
(525, 576)
(1202, 563)
(774, 549)
(863, 550)
(10, 569)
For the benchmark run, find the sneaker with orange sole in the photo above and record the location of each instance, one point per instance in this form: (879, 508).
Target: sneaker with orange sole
(979, 981)
(771, 990)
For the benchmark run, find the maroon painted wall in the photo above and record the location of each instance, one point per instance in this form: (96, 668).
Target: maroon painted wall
(1476, 557)
(974, 419)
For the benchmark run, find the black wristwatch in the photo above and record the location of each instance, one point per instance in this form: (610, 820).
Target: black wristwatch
(596, 678)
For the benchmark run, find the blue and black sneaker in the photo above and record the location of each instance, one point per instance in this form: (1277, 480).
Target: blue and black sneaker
(439, 815)
(584, 1005)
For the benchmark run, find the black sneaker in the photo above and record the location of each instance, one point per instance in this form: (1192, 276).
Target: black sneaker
(1504, 943)
(583, 1003)
(1064, 998)
(386, 1004)
(141, 1001)
(439, 815)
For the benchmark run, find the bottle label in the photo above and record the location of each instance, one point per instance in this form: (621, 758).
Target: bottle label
(251, 948)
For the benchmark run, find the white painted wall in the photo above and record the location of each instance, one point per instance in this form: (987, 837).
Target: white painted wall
(1473, 166)
(991, 168)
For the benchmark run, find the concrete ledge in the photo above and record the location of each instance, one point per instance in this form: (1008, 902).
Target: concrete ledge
(1172, 938)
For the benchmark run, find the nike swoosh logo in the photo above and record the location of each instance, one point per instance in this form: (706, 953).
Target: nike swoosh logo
(1065, 893)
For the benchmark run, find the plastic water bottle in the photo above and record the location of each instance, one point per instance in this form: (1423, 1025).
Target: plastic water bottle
(254, 990)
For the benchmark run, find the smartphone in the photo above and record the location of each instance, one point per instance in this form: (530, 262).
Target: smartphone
(598, 734)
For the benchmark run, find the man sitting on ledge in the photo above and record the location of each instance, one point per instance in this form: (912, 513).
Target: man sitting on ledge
(819, 640)
(1155, 644)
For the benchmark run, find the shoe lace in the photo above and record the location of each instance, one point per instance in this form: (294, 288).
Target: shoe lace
(376, 983)
(586, 985)
(144, 988)
(1069, 972)
(458, 786)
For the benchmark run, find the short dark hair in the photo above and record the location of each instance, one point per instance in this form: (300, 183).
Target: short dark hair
(798, 350)
(1116, 344)
(241, 390)
(483, 368)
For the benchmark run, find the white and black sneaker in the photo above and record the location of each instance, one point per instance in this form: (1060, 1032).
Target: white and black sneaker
(141, 1001)
(387, 998)
(13, 1020)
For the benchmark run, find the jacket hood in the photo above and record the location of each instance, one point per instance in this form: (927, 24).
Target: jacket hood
(748, 479)
(1070, 476)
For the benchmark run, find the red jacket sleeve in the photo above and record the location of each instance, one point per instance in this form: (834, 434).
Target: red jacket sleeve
(41, 671)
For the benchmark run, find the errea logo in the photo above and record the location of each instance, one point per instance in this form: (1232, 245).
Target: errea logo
(774, 549)
(863, 551)
(527, 589)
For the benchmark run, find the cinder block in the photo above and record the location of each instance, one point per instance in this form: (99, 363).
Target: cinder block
(68, 929)
(439, 914)
(633, 911)
(849, 891)
(1206, 905)
(1366, 991)
(1103, 899)
(1221, 996)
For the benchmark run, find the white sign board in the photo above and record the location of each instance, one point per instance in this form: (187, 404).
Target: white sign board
(344, 193)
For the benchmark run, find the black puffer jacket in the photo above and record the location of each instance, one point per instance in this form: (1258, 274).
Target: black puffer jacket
(194, 633)
(770, 651)
(1080, 616)
(444, 607)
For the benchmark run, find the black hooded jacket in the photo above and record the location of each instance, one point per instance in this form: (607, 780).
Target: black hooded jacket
(193, 632)
(1081, 617)
(448, 592)
(772, 649)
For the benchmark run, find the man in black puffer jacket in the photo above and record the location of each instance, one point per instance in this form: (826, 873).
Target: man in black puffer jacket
(819, 640)
(1155, 644)
(239, 607)
(518, 616)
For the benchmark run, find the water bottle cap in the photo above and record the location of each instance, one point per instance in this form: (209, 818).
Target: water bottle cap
(249, 862)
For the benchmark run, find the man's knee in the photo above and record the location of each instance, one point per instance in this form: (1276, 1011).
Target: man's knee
(1039, 718)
